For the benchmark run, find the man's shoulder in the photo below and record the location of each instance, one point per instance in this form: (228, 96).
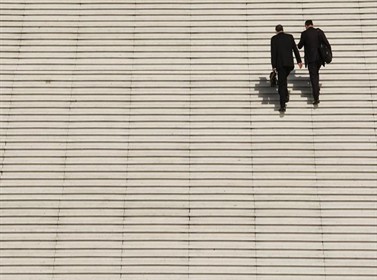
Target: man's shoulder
(312, 30)
(320, 31)
(281, 35)
(285, 36)
(274, 38)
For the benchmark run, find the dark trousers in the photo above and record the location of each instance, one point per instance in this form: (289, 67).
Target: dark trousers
(283, 73)
(314, 78)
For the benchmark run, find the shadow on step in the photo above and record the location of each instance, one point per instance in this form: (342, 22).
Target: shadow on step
(268, 94)
(296, 84)
(302, 85)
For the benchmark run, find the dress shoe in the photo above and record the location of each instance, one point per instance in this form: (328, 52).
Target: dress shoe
(282, 109)
(316, 102)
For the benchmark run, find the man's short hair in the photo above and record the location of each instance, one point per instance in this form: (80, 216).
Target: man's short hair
(279, 28)
(308, 22)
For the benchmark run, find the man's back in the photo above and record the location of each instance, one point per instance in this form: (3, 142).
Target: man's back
(310, 40)
(282, 45)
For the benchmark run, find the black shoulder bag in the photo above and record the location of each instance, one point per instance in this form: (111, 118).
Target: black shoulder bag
(324, 51)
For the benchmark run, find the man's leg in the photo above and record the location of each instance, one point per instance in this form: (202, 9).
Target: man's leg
(314, 79)
(319, 88)
(282, 82)
(288, 71)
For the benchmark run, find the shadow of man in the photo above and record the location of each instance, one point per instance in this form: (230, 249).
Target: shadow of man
(268, 94)
(302, 85)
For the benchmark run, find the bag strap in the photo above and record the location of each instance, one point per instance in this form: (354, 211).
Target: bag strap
(319, 36)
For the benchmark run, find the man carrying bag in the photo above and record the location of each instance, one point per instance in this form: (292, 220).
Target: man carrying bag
(317, 53)
(282, 47)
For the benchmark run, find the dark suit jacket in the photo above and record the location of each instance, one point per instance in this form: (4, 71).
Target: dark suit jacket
(282, 45)
(311, 39)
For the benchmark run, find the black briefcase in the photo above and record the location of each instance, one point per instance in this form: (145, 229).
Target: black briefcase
(273, 79)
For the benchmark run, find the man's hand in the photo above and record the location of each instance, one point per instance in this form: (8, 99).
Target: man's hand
(299, 65)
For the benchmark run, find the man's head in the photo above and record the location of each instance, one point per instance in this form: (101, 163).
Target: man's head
(308, 23)
(279, 28)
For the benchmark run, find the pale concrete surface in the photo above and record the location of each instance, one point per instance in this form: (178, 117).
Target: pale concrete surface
(141, 140)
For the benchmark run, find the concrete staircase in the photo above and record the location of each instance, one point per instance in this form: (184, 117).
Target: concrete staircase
(141, 140)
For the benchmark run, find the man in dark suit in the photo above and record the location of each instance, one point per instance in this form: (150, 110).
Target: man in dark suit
(282, 45)
(311, 39)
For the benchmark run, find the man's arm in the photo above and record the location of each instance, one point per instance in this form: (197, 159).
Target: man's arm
(301, 43)
(297, 53)
(273, 53)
